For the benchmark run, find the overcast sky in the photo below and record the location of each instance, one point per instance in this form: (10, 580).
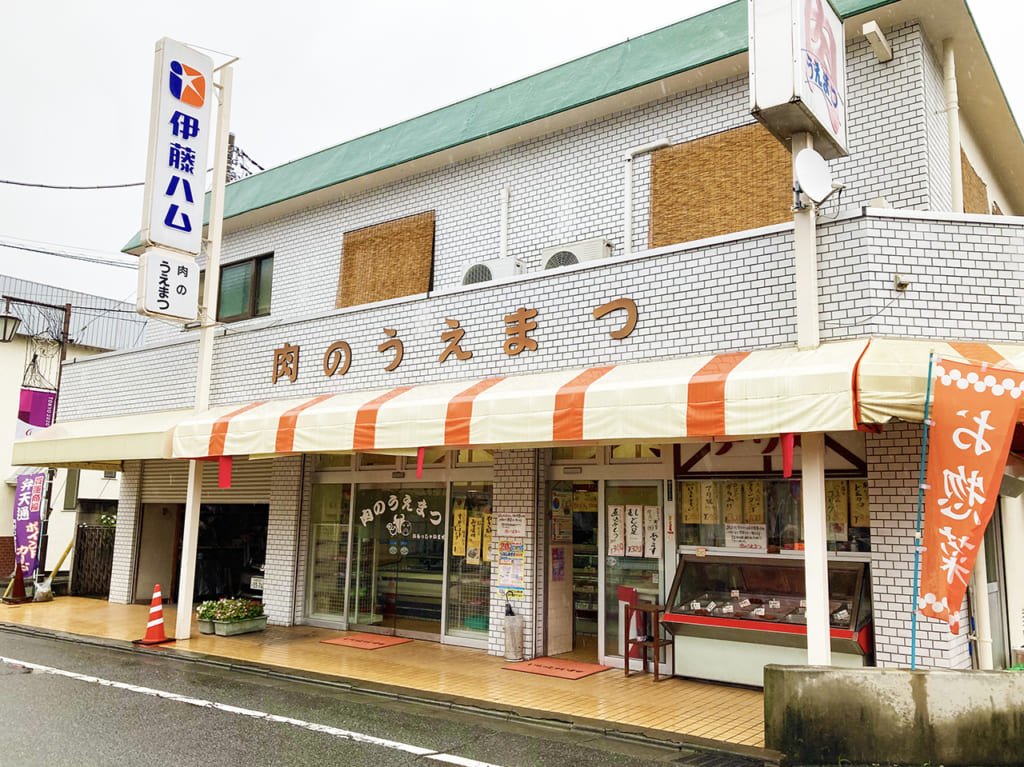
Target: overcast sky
(78, 76)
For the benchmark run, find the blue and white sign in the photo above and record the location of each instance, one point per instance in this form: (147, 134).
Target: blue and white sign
(168, 285)
(180, 125)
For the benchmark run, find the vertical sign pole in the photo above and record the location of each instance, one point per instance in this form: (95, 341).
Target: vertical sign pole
(193, 499)
(812, 471)
(812, 474)
(805, 260)
(917, 531)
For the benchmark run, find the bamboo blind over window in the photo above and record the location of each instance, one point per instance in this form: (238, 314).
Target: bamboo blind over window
(728, 182)
(975, 190)
(387, 260)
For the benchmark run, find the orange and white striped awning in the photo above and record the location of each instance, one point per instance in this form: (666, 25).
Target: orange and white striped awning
(892, 380)
(730, 395)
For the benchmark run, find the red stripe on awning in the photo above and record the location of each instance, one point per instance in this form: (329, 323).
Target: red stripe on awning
(569, 402)
(705, 396)
(977, 352)
(460, 412)
(365, 434)
(285, 441)
(219, 432)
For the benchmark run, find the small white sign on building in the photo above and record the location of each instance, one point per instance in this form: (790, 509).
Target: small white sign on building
(168, 285)
(798, 71)
(180, 126)
(510, 525)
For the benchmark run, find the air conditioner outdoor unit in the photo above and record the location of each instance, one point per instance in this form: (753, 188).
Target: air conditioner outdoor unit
(495, 269)
(576, 253)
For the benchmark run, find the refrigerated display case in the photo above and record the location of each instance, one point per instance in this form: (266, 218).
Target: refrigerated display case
(732, 615)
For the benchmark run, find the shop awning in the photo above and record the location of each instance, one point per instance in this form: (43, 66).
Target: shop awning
(99, 443)
(730, 395)
(892, 379)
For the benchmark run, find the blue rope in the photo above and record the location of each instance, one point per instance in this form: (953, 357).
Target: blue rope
(917, 535)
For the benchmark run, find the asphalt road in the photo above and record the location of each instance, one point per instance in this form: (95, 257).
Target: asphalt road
(67, 703)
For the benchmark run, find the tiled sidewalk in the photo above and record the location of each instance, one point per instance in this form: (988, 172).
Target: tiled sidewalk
(675, 709)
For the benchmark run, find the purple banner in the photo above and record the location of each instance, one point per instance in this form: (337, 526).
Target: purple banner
(35, 411)
(28, 505)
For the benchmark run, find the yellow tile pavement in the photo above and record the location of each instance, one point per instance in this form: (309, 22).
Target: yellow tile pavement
(674, 708)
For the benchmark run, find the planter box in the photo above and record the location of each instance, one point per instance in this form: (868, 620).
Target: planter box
(205, 626)
(244, 626)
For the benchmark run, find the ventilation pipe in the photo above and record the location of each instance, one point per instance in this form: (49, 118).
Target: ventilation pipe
(956, 178)
(627, 234)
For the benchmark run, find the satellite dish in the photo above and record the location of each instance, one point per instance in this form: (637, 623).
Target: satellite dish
(812, 175)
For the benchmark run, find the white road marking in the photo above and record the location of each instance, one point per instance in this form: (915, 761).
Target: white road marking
(357, 737)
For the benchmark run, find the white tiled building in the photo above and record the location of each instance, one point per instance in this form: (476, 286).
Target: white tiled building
(369, 242)
(31, 361)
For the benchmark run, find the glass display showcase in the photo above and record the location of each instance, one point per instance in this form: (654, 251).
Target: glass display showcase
(732, 615)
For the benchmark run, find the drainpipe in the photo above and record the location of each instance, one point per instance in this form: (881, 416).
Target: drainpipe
(503, 234)
(627, 230)
(982, 619)
(979, 581)
(956, 178)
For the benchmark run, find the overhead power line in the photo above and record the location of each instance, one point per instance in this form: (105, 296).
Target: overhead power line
(77, 188)
(34, 248)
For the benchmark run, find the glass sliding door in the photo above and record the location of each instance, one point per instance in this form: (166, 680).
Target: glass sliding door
(329, 550)
(633, 549)
(469, 564)
(397, 571)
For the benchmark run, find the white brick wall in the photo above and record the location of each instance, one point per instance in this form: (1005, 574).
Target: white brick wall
(965, 275)
(567, 186)
(122, 573)
(516, 484)
(728, 295)
(940, 192)
(282, 540)
(304, 523)
(894, 469)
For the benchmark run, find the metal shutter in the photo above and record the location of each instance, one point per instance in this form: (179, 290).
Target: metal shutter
(166, 481)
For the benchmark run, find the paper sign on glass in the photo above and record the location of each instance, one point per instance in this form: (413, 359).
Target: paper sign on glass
(616, 532)
(634, 531)
(652, 532)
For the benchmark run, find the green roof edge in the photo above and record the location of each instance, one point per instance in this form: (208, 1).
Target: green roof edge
(688, 44)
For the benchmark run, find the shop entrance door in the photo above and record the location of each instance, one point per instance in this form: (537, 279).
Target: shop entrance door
(633, 561)
(572, 556)
(397, 575)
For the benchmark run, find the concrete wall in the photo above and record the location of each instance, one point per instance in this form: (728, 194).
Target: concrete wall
(819, 715)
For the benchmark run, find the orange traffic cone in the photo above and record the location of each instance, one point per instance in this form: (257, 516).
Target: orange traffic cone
(155, 627)
(17, 595)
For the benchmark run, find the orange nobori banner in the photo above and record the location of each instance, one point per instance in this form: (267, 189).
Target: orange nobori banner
(974, 409)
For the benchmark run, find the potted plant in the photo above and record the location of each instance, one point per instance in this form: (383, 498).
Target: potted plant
(230, 616)
(204, 615)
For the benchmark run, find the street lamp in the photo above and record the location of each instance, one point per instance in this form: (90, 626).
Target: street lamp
(8, 324)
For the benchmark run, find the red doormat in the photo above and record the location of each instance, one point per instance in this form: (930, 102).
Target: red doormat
(563, 669)
(366, 641)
